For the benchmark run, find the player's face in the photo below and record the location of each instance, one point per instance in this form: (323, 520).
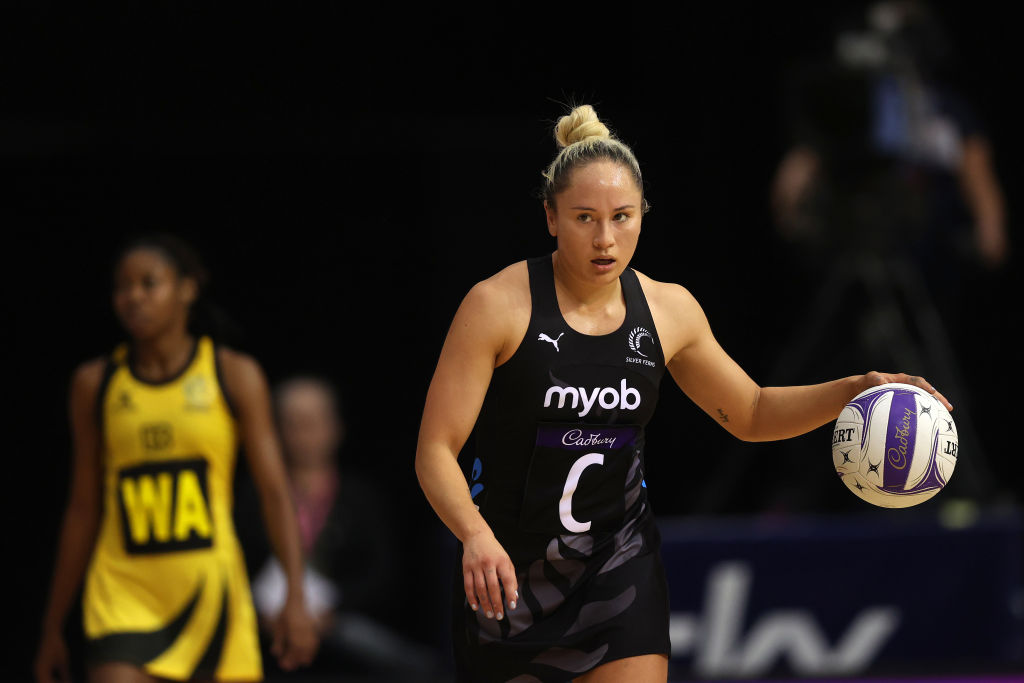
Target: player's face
(309, 427)
(150, 297)
(596, 220)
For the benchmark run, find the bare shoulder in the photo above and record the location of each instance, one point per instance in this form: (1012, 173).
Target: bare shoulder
(677, 315)
(241, 372)
(87, 377)
(495, 314)
(507, 289)
(666, 295)
(233, 360)
(83, 403)
(503, 300)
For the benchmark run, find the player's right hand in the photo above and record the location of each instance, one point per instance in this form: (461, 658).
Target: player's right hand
(486, 570)
(51, 665)
(875, 378)
(295, 637)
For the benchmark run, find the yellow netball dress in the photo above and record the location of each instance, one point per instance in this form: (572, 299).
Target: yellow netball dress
(166, 587)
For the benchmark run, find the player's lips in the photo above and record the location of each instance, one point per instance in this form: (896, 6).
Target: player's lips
(134, 318)
(603, 264)
(133, 313)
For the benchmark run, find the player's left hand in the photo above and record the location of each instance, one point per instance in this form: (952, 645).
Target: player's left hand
(992, 245)
(295, 638)
(874, 379)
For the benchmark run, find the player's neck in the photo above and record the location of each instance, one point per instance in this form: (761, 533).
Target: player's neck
(162, 356)
(314, 480)
(597, 309)
(577, 294)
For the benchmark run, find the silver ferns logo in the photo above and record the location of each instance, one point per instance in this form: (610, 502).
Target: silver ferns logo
(635, 336)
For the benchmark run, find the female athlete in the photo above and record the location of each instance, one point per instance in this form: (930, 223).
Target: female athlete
(155, 429)
(555, 362)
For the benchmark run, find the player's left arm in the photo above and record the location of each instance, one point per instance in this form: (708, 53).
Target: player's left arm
(984, 197)
(295, 635)
(721, 388)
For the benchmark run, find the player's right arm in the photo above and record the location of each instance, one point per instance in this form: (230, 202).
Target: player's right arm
(477, 338)
(81, 521)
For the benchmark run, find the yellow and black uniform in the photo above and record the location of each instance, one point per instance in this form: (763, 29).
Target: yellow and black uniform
(166, 587)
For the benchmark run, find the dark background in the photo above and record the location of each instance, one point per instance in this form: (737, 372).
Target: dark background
(348, 175)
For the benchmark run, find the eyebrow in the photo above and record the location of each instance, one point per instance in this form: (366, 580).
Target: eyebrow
(618, 208)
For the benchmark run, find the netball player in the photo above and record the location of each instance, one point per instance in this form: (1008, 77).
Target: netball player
(556, 361)
(155, 429)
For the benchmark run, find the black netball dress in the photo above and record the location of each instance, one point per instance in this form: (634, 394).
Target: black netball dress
(559, 477)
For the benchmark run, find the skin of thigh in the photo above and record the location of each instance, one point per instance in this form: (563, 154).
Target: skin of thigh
(119, 672)
(641, 669)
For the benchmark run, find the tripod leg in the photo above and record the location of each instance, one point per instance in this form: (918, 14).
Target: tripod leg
(885, 331)
(806, 336)
(945, 372)
(812, 331)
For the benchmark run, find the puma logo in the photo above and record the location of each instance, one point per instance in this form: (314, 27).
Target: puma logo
(554, 342)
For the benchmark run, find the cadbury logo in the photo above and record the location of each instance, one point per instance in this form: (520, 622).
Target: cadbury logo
(897, 455)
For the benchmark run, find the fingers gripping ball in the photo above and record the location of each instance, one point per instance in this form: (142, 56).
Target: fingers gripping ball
(894, 445)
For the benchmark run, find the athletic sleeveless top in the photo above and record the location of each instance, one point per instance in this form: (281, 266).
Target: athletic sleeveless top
(560, 437)
(559, 477)
(166, 587)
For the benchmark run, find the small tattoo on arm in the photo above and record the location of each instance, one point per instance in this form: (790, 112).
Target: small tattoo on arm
(724, 417)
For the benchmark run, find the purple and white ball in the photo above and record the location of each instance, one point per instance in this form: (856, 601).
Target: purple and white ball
(894, 445)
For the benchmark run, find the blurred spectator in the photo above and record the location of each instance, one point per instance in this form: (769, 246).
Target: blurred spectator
(888, 156)
(347, 541)
(890, 192)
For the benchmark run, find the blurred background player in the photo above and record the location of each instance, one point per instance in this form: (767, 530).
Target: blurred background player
(889, 154)
(347, 539)
(890, 196)
(156, 426)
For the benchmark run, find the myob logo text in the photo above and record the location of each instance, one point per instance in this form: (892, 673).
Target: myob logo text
(624, 397)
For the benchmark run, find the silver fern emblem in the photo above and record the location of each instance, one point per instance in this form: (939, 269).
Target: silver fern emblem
(635, 336)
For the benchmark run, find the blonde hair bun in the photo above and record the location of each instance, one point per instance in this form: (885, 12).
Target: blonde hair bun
(582, 139)
(579, 125)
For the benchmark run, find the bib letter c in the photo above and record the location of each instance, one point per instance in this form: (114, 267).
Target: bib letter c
(565, 504)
